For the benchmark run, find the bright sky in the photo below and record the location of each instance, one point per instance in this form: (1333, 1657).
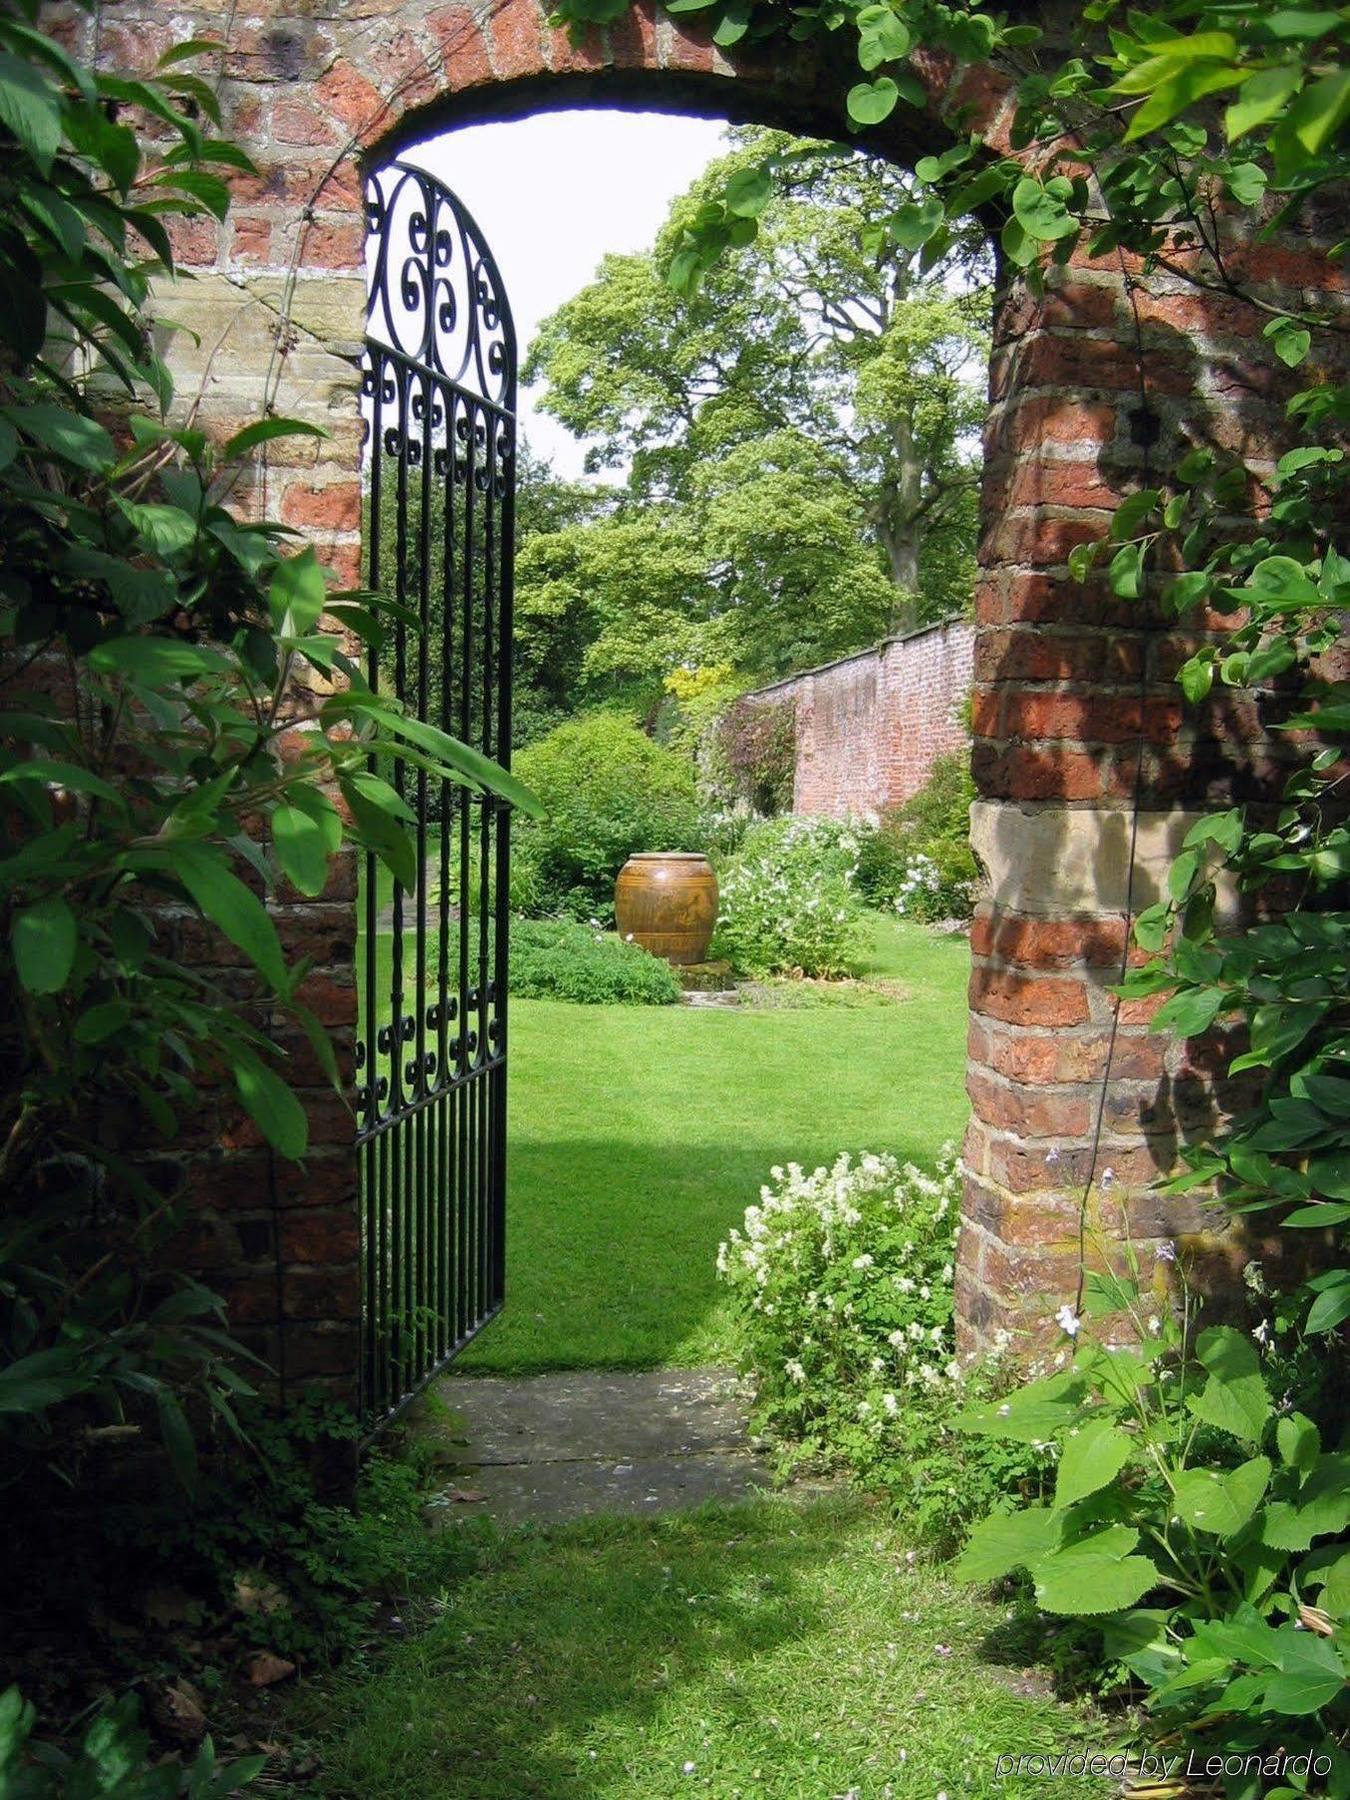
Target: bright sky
(555, 192)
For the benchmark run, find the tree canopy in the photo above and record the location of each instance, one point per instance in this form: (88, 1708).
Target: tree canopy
(796, 439)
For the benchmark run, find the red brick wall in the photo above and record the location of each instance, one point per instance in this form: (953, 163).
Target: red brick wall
(870, 727)
(1075, 715)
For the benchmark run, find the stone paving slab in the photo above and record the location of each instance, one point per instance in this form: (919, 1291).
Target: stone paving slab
(555, 1447)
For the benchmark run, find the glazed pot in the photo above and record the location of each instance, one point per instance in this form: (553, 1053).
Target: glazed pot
(667, 902)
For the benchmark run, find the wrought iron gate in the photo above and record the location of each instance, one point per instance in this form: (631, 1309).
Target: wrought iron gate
(440, 404)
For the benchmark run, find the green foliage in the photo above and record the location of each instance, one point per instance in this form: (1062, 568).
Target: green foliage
(156, 653)
(113, 1759)
(606, 790)
(800, 425)
(919, 858)
(562, 959)
(842, 1283)
(787, 900)
(1196, 1511)
(269, 1559)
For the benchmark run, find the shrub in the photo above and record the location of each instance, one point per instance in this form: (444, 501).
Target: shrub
(607, 791)
(114, 1758)
(843, 1286)
(788, 903)
(1198, 1516)
(755, 748)
(561, 959)
(919, 859)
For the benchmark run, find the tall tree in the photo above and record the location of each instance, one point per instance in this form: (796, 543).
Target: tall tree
(824, 329)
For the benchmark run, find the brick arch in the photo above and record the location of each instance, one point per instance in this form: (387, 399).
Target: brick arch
(1075, 715)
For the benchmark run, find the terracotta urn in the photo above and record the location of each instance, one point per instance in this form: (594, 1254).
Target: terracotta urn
(667, 902)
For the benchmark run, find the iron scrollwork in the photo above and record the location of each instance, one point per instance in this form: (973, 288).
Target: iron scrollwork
(439, 385)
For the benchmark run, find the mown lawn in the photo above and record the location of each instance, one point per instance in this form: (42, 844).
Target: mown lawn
(764, 1650)
(638, 1136)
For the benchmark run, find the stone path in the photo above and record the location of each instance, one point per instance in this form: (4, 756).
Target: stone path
(555, 1447)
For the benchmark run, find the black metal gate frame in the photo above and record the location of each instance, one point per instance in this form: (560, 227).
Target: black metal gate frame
(439, 387)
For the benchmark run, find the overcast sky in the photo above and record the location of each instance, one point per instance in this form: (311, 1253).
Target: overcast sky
(552, 194)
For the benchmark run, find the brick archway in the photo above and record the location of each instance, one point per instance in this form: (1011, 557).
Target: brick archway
(1075, 714)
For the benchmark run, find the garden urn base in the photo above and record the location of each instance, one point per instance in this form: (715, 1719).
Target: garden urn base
(667, 902)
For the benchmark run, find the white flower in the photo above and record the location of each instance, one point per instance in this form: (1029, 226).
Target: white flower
(1167, 1251)
(1005, 1411)
(1107, 1178)
(1262, 1333)
(1155, 1325)
(865, 1261)
(1067, 1320)
(1051, 1158)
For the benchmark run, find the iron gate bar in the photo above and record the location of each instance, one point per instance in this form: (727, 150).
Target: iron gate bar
(439, 385)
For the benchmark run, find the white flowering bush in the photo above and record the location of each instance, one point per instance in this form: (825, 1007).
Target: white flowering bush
(843, 1285)
(788, 901)
(919, 882)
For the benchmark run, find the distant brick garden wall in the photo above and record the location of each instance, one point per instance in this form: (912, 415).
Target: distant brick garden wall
(1076, 719)
(870, 727)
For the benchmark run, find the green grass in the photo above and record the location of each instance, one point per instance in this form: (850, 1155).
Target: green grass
(787, 1653)
(638, 1136)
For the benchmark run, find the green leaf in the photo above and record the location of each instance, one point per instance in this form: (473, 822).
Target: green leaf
(65, 433)
(1292, 342)
(1221, 1503)
(1081, 559)
(748, 192)
(29, 110)
(1335, 1595)
(43, 939)
(297, 594)
(471, 765)
(301, 847)
(223, 899)
(1262, 96)
(1234, 1398)
(1311, 1674)
(1126, 572)
(165, 529)
(913, 224)
(63, 775)
(882, 37)
(264, 431)
(1196, 678)
(178, 1439)
(1035, 1412)
(1090, 1461)
(33, 1383)
(1132, 512)
(1299, 1442)
(1189, 1012)
(1041, 210)
(271, 1105)
(154, 661)
(1330, 1175)
(1168, 54)
(1007, 1541)
(1315, 117)
(1331, 1306)
(1097, 1574)
(872, 101)
(1192, 82)
(102, 1022)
